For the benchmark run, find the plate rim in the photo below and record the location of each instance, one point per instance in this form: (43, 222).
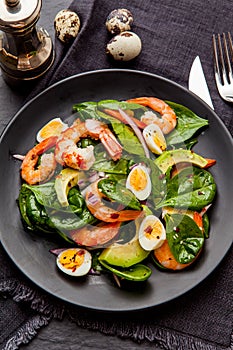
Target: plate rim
(92, 72)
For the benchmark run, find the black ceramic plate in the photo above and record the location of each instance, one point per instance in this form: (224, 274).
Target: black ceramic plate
(31, 253)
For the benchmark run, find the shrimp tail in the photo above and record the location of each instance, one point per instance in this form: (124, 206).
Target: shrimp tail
(111, 144)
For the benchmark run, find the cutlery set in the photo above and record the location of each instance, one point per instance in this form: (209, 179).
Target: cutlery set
(223, 58)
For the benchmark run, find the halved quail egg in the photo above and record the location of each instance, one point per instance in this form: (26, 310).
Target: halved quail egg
(74, 261)
(154, 138)
(139, 182)
(53, 128)
(152, 233)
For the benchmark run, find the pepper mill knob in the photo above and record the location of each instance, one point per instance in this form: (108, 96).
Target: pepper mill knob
(12, 3)
(26, 52)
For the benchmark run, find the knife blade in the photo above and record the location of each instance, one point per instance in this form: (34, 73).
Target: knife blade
(197, 82)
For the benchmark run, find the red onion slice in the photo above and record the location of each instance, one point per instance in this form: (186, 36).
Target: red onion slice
(136, 130)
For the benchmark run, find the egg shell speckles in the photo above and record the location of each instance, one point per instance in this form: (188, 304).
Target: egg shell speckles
(124, 46)
(118, 21)
(67, 25)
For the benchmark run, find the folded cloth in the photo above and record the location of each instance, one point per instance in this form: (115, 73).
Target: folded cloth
(172, 35)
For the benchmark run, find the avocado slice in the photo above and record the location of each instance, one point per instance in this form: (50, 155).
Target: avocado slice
(64, 181)
(169, 158)
(124, 255)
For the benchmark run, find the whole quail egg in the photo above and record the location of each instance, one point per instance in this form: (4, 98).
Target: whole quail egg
(118, 21)
(74, 261)
(124, 46)
(139, 182)
(152, 233)
(67, 25)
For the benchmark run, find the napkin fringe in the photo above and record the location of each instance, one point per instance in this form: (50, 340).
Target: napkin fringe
(165, 338)
(27, 332)
(21, 292)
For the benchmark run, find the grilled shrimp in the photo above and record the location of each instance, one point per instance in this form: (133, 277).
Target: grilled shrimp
(167, 122)
(96, 236)
(67, 153)
(32, 174)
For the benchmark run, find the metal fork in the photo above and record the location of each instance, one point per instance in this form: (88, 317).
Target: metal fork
(223, 58)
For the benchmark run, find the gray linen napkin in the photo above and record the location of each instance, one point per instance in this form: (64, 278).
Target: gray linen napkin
(172, 33)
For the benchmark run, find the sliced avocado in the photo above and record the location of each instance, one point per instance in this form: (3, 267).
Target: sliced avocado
(169, 158)
(124, 255)
(64, 181)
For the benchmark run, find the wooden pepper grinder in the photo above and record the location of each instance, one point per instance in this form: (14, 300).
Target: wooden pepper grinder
(26, 52)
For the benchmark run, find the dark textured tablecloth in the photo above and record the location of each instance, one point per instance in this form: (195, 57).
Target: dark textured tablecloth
(172, 33)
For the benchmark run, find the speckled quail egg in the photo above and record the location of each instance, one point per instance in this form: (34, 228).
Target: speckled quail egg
(53, 128)
(154, 138)
(139, 182)
(74, 261)
(118, 21)
(152, 233)
(67, 25)
(124, 46)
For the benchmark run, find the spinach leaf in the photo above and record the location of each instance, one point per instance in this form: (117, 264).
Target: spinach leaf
(22, 202)
(69, 221)
(86, 110)
(192, 188)
(184, 237)
(111, 167)
(128, 139)
(188, 124)
(125, 134)
(119, 193)
(158, 180)
(137, 272)
(115, 105)
(38, 215)
(76, 200)
(206, 225)
(45, 194)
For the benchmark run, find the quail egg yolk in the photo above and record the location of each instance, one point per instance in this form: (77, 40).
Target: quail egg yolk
(138, 182)
(72, 259)
(138, 179)
(153, 230)
(157, 140)
(154, 138)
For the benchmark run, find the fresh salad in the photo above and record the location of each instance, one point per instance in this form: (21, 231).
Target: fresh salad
(119, 186)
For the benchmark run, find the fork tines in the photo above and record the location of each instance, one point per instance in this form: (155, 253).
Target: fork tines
(223, 57)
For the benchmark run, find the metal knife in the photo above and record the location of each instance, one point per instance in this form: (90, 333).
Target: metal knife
(197, 82)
